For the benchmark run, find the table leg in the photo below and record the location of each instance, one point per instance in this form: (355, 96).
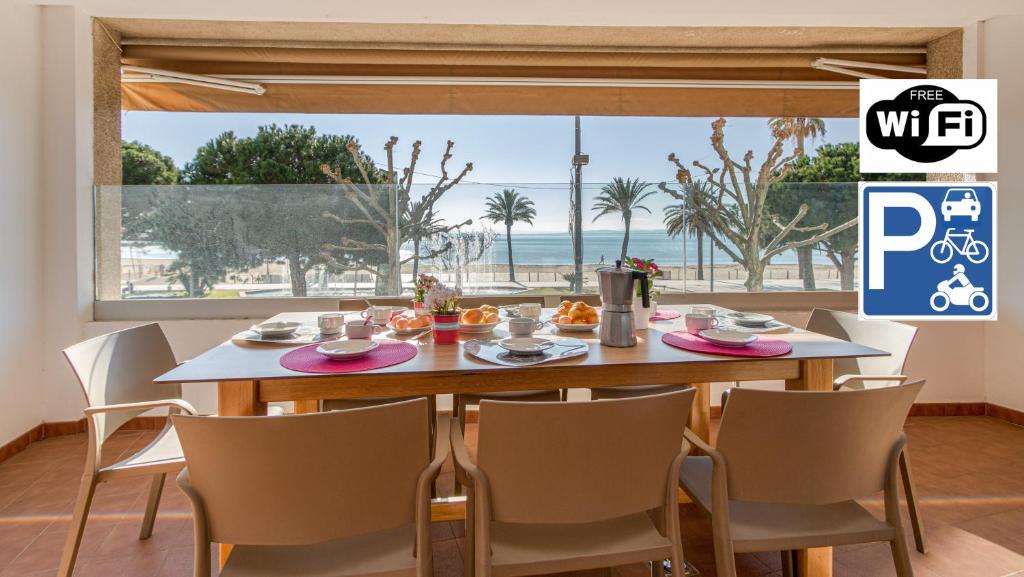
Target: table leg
(237, 399)
(700, 411)
(815, 375)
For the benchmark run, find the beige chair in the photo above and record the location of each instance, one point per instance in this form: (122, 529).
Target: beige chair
(571, 486)
(625, 392)
(872, 372)
(342, 493)
(116, 372)
(789, 465)
(865, 372)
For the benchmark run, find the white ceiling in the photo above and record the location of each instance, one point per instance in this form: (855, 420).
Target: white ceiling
(571, 12)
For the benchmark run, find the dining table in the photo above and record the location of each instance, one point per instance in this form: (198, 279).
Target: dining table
(249, 375)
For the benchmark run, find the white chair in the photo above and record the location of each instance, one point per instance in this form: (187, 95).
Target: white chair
(116, 372)
(865, 372)
(340, 493)
(873, 372)
(796, 488)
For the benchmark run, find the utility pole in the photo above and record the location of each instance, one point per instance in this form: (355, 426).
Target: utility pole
(578, 161)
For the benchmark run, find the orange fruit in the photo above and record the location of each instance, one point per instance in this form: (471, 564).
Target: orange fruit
(400, 323)
(473, 317)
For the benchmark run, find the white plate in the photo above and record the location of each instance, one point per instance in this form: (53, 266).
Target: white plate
(276, 329)
(576, 328)
(407, 331)
(478, 328)
(727, 338)
(750, 319)
(348, 349)
(526, 345)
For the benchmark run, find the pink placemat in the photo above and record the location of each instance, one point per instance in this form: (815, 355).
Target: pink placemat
(666, 315)
(762, 347)
(307, 360)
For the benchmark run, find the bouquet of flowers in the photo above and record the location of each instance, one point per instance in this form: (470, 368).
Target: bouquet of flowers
(423, 284)
(647, 266)
(441, 299)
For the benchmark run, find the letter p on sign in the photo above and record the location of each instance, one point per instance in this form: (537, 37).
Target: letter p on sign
(881, 243)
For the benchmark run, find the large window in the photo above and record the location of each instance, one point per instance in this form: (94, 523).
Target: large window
(271, 205)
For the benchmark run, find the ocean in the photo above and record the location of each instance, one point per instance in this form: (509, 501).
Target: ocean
(556, 248)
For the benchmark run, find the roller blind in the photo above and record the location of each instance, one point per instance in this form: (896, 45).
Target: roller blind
(774, 82)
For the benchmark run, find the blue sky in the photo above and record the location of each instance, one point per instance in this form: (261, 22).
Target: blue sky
(529, 153)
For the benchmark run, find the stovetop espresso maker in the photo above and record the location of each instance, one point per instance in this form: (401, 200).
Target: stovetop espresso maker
(617, 293)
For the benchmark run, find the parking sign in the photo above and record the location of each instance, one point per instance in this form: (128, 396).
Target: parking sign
(928, 250)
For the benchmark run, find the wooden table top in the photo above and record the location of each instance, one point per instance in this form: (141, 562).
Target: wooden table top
(259, 362)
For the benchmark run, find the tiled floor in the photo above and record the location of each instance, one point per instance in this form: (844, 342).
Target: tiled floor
(970, 476)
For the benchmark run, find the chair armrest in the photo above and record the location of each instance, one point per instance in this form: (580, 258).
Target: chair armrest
(700, 444)
(178, 404)
(845, 380)
(463, 464)
(442, 443)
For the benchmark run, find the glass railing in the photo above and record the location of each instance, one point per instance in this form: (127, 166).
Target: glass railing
(252, 241)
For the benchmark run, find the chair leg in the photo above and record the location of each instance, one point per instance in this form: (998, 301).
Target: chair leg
(658, 568)
(788, 564)
(900, 555)
(468, 555)
(74, 539)
(156, 489)
(459, 406)
(909, 492)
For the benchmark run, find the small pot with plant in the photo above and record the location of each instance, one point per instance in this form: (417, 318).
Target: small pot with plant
(419, 293)
(443, 304)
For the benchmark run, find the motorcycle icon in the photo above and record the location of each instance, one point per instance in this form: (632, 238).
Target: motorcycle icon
(964, 295)
(962, 243)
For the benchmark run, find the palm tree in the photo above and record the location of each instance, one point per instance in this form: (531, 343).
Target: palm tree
(622, 196)
(798, 129)
(693, 218)
(421, 223)
(510, 207)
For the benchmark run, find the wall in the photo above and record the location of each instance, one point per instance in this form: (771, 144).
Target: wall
(1001, 45)
(21, 225)
(67, 200)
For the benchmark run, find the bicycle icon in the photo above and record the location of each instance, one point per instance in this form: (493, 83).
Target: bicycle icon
(962, 243)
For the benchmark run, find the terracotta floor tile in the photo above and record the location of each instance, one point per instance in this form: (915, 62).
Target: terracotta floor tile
(968, 471)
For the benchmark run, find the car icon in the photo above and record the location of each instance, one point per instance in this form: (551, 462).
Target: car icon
(961, 202)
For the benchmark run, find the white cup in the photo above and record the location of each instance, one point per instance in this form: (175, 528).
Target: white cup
(330, 323)
(523, 326)
(530, 310)
(703, 310)
(696, 323)
(361, 329)
(381, 313)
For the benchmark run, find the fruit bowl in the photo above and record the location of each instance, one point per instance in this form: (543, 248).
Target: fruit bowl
(575, 317)
(403, 325)
(576, 328)
(479, 320)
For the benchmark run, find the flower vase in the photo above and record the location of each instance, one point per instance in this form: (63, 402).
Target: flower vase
(642, 314)
(446, 329)
(419, 308)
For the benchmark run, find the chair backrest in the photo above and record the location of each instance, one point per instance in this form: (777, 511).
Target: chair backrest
(892, 337)
(303, 479)
(580, 462)
(119, 368)
(811, 447)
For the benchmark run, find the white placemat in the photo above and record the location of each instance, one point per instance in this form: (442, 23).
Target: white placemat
(491, 351)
